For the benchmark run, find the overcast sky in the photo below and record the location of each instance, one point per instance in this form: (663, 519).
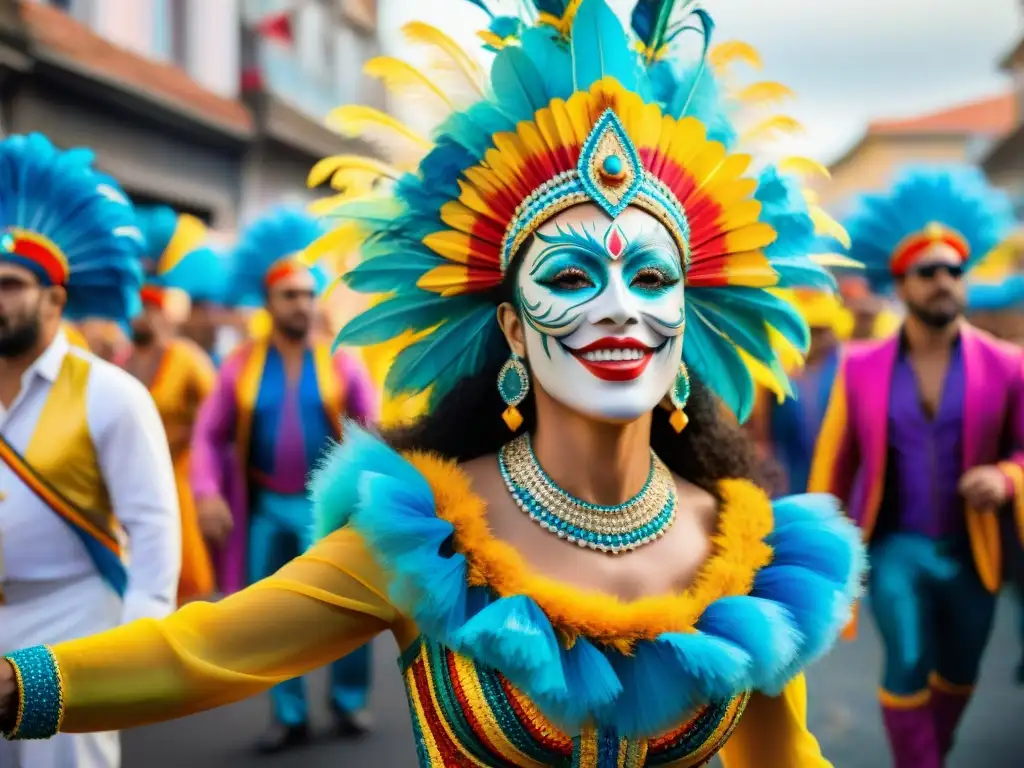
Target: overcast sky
(849, 61)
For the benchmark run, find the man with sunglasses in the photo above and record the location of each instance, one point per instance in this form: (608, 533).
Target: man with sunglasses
(89, 531)
(278, 403)
(923, 442)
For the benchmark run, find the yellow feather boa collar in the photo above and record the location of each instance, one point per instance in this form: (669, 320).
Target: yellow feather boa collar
(745, 520)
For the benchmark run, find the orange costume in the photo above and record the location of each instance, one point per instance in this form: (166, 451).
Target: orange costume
(183, 380)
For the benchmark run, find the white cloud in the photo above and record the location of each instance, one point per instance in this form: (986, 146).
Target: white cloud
(849, 62)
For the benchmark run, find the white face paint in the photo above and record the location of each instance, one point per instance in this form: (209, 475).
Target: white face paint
(602, 304)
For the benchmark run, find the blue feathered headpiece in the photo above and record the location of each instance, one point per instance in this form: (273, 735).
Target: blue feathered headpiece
(71, 225)
(278, 238)
(950, 204)
(569, 87)
(1007, 293)
(168, 236)
(202, 273)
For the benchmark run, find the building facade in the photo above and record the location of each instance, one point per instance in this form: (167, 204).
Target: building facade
(959, 134)
(192, 103)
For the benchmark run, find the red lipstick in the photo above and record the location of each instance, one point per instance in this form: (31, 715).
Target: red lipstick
(615, 358)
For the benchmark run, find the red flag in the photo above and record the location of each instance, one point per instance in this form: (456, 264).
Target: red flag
(278, 27)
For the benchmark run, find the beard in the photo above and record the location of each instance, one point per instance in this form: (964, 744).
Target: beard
(295, 328)
(19, 336)
(143, 337)
(936, 318)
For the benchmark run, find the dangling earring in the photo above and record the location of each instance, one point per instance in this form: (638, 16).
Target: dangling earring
(513, 385)
(679, 395)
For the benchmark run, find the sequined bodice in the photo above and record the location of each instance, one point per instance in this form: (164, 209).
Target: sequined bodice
(466, 715)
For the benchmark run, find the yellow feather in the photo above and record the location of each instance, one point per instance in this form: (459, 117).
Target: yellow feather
(835, 261)
(326, 205)
(776, 124)
(491, 39)
(379, 128)
(725, 54)
(425, 34)
(811, 197)
(189, 234)
(766, 92)
(803, 166)
(329, 166)
(824, 224)
(401, 76)
(338, 245)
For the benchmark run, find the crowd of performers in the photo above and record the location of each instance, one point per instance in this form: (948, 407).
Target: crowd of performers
(159, 452)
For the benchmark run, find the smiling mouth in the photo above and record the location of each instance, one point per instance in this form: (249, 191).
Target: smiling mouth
(615, 359)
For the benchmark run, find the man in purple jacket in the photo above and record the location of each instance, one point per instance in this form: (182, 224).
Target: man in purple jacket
(922, 442)
(277, 405)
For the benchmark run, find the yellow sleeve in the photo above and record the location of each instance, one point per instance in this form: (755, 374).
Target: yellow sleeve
(772, 733)
(317, 608)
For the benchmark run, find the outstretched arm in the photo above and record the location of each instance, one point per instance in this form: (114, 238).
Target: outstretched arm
(772, 733)
(317, 608)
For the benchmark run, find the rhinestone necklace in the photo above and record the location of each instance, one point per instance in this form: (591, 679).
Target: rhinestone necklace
(622, 528)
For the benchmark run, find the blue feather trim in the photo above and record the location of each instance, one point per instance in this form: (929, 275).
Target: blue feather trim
(759, 641)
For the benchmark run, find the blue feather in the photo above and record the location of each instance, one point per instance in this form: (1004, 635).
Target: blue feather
(600, 48)
(279, 233)
(958, 197)
(518, 84)
(713, 358)
(423, 363)
(1009, 294)
(85, 213)
(383, 275)
(404, 312)
(202, 274)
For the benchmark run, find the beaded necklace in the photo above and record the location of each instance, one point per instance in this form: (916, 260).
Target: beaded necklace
(622, 528)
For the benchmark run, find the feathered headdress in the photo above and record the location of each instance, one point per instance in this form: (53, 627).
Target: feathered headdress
(575, 109)
(945, 204)
(203, 274)
(270, 248)
(996, 296)
(71, 225)
(168, 235)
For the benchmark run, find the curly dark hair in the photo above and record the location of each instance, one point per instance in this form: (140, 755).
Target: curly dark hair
(467, 423)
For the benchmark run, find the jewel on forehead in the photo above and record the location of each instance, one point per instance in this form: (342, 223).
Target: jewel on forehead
(609, 166)
(614, 241)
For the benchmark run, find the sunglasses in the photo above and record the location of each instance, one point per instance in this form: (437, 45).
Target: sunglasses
(296, 294)
(929, 271)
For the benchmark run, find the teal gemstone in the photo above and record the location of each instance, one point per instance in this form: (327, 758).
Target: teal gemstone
(612, 165)
(7, 242)
(511, 386)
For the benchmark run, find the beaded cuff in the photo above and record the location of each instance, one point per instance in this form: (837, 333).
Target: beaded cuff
(40, 693)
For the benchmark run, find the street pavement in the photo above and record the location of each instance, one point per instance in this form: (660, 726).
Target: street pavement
(843, 714)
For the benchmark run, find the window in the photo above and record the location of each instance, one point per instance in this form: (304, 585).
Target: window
(170, 31)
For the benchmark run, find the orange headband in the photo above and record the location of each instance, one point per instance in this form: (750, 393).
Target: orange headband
(282, 268)
(910, 247)
(153, 296)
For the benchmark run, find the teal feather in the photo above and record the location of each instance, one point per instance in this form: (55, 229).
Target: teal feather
(772, 309)
(482, 6)
(543, 45)
(518, 84)
(384, 275)
(600, 48)
(421, 364)
(415, 311)
(714, 360)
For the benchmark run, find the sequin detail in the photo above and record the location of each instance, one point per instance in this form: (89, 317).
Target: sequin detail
(40, 693)
(468, 715)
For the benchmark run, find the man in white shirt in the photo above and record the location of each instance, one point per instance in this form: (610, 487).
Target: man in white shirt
(89, 527)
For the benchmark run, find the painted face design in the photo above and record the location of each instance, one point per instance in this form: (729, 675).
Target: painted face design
(602, 304)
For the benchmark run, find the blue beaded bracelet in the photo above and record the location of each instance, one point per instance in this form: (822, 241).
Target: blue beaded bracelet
(40, 693)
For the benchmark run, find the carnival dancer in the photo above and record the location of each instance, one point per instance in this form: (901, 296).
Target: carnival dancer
(86, 478)
(178, 374)
(920, 439)
(571, 556)
(277, 404)
(203, 275)
(1000, 300)
(795, 422)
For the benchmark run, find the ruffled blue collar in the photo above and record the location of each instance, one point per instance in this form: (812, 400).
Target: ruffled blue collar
(758, 639)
